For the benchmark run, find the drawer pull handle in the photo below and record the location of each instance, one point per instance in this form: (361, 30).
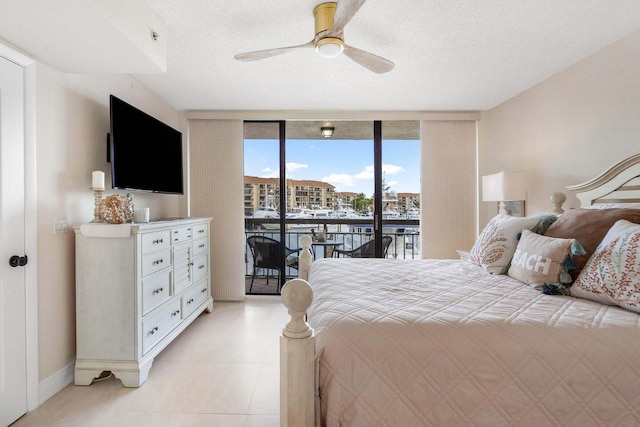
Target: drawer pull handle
(200, 267)
(201, 246)
(158, 261)
(190, 301)
(200, 231)
(157, 291)
(175, 313)
(153, 331)
(204, 291)
(157, 241)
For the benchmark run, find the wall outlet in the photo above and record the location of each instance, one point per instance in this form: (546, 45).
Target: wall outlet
(61, 225)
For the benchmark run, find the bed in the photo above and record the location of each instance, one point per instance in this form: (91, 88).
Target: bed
(491, 341)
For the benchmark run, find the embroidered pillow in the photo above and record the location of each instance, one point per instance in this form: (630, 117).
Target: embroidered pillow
(612, 274)
(496, 244)
(540, 260)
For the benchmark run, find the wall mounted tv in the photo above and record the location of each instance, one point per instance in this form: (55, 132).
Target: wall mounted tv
(145, 154)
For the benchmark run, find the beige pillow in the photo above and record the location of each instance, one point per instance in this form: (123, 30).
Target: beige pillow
(588, 226)
(539, 259)
(495, 245)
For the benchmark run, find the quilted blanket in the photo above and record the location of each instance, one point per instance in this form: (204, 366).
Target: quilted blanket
(444, 343)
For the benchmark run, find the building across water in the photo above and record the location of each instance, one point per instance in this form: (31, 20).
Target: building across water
(307, 194)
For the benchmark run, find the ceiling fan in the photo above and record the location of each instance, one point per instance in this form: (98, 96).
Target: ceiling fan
(330, 20)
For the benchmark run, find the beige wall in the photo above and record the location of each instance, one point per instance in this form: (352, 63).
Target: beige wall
(567, 129)
(72, 121)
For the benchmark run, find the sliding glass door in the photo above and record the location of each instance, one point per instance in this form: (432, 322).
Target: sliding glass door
(345, 183)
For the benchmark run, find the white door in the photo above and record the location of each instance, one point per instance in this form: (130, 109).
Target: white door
(13, 384)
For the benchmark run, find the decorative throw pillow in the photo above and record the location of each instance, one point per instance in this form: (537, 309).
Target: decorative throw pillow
(588, 226)
(496, 244)
(612, 274)
(540, 260)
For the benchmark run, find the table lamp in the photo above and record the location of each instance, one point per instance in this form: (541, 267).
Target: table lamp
(503, 186)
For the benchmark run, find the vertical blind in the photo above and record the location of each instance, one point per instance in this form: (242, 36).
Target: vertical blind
(448, 187)
(217, 186)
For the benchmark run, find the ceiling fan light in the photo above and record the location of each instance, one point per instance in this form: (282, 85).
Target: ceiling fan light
(329, 47)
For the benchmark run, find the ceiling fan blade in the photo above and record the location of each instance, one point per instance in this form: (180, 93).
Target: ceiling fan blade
(372, 62)
(345, 9)
(267, 53)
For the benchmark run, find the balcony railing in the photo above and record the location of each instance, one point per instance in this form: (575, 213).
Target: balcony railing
(347, 233)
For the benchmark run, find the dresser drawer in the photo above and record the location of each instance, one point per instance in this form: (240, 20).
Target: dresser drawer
(200, 231)
(159, 324)
(155, 241)
(200, 266)
(155, 290)
(193, 297)
(156, 261)
(200, 245)
(179, 235)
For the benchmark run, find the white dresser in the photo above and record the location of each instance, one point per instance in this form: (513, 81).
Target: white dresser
(138, 286)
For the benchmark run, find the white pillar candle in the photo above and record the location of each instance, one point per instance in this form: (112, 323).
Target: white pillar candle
(97, 180)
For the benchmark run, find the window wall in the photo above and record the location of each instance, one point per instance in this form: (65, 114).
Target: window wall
(336, 175)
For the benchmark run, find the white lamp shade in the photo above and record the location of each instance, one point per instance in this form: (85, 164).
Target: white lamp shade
(504, 186)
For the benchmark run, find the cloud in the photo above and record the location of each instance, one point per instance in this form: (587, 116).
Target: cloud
(367, 173)
(392, 169)
(347, 180)
(269, 173)
(292, 166)
(338, 179)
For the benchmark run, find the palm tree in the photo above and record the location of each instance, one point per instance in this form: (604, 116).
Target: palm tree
(361, 202)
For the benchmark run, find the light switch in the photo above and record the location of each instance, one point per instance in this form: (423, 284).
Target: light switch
(61, 225)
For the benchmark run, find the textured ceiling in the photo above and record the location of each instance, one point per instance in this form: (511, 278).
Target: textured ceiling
(449, 55)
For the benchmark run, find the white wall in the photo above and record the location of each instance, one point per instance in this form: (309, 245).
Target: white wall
(72, 121)
(567, 129)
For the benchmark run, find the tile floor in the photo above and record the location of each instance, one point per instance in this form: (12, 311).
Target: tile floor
(223, 370)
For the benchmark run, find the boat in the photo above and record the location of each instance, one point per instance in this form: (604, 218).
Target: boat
(299, 212)
(345, 211)
(318, 212)
(268, 209)
(390, 203)
(413, 212)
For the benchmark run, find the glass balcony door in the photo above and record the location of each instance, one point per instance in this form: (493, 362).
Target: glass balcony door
(347, 187)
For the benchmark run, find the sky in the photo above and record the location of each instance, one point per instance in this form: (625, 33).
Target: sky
(348, 165)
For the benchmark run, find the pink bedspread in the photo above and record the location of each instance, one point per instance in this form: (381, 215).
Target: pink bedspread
(443, 343)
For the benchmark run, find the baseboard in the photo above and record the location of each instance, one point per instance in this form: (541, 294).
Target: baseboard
(55, 382)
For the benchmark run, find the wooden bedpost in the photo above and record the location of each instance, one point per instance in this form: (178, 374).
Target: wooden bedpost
(305, 258)
(297, 358)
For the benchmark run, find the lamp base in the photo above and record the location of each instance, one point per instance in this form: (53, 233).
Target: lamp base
(502, 209)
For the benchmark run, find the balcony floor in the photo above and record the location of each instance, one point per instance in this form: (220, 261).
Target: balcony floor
(260, 286)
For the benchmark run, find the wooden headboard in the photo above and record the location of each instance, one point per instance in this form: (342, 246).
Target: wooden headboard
(618, 184)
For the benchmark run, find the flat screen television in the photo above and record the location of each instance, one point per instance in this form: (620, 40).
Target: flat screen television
(145, 154)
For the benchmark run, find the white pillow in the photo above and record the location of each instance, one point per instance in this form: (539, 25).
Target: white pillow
(612, 274)
(539, 260)
(498, 241)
